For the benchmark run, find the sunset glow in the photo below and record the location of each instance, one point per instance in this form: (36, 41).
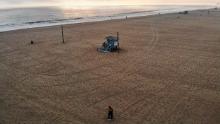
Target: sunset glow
(86, 3)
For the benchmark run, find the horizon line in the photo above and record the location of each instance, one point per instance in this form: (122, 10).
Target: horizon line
(76, 6)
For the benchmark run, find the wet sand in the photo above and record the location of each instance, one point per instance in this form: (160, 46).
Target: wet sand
(167, 72)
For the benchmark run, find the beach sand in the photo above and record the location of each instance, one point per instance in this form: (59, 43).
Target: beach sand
(167, 72)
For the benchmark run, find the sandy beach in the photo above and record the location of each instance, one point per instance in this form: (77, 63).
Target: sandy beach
(167, 72)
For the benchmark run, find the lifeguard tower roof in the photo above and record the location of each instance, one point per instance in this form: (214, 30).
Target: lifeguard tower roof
(111, 38)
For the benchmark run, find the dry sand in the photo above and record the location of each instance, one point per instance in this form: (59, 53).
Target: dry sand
(167, 72)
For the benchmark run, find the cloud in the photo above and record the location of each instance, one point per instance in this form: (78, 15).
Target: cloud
(13, 2)
(30, 3)
(27, 3)
(22, 1)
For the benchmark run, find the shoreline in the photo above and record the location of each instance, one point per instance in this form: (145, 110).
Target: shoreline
(110, 18)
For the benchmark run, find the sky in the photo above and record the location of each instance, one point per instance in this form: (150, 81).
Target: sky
(73, 3)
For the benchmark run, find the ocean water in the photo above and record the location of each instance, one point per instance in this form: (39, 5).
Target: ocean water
(22, 18)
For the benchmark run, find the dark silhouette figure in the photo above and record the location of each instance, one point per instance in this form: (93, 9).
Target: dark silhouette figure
(110, 113)
(32, 42)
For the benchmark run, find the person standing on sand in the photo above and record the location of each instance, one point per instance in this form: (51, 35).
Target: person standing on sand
(110, 113)
(32, 42)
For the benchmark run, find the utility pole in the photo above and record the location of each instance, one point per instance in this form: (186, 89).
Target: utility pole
(62, 34)
(118, 41)
(117, 36)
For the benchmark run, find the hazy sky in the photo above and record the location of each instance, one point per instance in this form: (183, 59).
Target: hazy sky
(70, 3)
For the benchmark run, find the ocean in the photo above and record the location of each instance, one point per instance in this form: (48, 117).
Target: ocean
(22, 18)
